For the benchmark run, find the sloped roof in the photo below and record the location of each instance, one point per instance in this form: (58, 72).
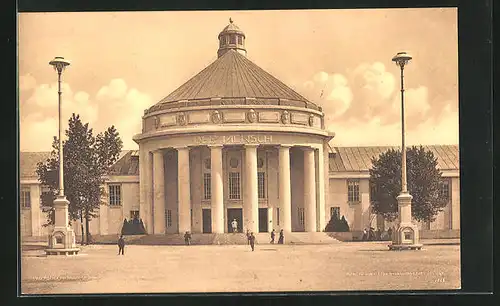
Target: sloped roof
(28, 162)
(234, 77)
(359, 158)
(128, 164)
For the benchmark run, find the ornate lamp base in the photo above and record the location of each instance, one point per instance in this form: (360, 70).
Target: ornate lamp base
(406, 237)
(62, 238)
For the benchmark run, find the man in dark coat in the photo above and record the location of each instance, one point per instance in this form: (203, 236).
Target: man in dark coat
(281, 239)
(252, 241)
(121, 245)
(273, 234)
(248, 237)
(187, 238)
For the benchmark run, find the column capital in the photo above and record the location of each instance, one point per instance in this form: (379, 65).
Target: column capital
(215, 145)
(251, 145)
(307, 148)
(178, 148)
(285, 146)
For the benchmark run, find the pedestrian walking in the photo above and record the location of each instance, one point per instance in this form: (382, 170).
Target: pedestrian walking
(121, 245)
(252, 241)
(365, 235)
(281, 238)
(248, 237)
(273, 234)
(389, 232)
(187, 238)
(234, 225)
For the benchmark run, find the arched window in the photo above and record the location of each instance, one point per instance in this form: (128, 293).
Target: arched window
(233, 39)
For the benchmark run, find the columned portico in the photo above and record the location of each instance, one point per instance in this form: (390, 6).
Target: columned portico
(285, 195)
(251, 199)
(309, 190)
(184, 192)
(159, 192)
(217, 190)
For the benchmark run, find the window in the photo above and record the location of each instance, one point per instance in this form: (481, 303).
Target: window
(240, 40)
(335, 211)
(207, 186)
(301, 215)
(25, 197)
(444, 189)
(234, 185)
(277, 216)
(373, 191)
(115, 195)
(233, 39)
(353, 191)
(45, 194)
(168, 217)
(261, 184)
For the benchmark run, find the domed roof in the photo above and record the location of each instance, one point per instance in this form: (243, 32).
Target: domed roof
(232, 79)
(231, 28)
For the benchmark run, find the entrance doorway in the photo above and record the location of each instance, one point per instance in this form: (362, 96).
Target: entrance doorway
(207, 220)
(263, 220)
(235, 213)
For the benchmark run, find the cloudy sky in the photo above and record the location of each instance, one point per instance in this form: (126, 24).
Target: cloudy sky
(124, 62)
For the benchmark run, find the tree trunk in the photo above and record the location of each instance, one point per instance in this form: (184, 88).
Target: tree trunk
(87, 227)
(83, 232)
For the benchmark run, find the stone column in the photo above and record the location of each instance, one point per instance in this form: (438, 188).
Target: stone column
(251, 200)
(184, 192)
(321, 191)
(159, 192)
(326, 176)
(217, 189)
(285, 196)
(103, 212)
(309, 190)
(35, 210)
(146, 189)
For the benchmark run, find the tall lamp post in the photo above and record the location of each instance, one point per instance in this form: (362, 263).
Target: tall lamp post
(62, 238)
(407, 235)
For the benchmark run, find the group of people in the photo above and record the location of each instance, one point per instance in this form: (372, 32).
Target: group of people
(251, 238)
(371, 235)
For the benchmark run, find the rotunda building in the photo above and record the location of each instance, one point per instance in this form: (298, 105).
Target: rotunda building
(233, 143)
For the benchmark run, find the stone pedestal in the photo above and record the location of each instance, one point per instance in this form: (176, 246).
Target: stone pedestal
(406, 236)
(62, 238)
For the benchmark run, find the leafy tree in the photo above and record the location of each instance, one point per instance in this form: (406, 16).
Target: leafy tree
(86, 162)
(423, 180)
(337, 224)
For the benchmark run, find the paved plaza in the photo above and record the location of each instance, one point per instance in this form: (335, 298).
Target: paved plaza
(235, 268)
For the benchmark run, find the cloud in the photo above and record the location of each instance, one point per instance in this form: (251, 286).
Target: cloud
(363, 106)
(123, 107)
(374, 133)
(26, 82)
(113, 104)
(330, 91)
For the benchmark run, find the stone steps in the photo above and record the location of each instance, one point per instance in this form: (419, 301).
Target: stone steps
(217, 239)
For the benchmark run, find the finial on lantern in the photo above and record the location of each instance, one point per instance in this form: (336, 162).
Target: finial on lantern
(230, 20)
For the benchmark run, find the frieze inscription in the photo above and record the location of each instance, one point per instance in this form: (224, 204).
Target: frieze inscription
(234, 139)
